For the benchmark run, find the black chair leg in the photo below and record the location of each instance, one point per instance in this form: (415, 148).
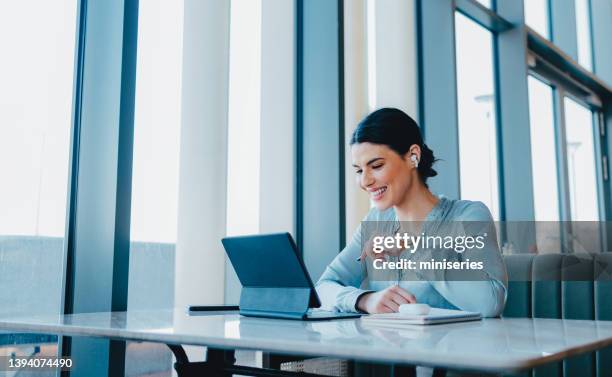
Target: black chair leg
(403, 371)
(410, 371)
(439, 372)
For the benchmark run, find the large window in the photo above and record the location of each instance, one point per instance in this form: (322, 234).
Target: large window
(157, 125)
(536, 16)
(564, 156)
(478, 157)
(243, 136)
(543, 151)
(583, 33)
(544, 166)
(581, 166)
(36, 76)
(244, 118)
(371, 53)
(156, 153)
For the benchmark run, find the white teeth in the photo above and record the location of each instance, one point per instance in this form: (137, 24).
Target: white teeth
(380, 191)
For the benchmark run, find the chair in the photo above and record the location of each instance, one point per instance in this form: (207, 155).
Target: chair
(568, 286)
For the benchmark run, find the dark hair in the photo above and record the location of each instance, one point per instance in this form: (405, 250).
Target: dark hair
(395, 129)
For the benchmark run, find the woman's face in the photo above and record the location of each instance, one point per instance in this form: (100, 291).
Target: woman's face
(383, 173)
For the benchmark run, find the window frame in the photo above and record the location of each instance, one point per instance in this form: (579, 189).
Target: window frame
(490, 23)
(561, 90)
(515, 46)
(564, 85)
(558, 143)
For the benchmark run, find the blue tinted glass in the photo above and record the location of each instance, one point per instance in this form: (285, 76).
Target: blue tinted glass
(36, 76)
(155, 173)
(543, 151)
(579, 133)
(476, 110)
(583, 33)
(536, 16)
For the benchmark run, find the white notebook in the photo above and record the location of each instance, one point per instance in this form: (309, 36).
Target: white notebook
(435, 316)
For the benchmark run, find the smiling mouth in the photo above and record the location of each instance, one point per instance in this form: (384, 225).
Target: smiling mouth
(376, 195)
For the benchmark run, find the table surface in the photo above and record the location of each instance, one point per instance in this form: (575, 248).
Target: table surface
(507, 344)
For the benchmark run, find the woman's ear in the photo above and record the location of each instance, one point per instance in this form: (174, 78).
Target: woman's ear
(414, 150)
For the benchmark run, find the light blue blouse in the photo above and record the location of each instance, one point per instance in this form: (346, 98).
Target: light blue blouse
(345, 279)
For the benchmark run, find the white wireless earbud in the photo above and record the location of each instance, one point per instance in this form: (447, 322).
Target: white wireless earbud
(414, 309)
(414, 160)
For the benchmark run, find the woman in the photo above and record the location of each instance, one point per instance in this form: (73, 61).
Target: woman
(393, 164)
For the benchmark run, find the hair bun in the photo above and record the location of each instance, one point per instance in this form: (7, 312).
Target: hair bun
(426, 162)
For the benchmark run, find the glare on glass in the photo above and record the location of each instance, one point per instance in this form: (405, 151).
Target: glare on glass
(36, 76)
(476, 110)
(536, 16)
(36, 91)
(155, 170)
(543, 151)
(583, 33)
(157, 122)
(243, 118)
(582, 177)
(486, 3)
(371, 52)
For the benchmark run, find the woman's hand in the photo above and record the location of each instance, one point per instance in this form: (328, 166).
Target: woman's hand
(386, 301)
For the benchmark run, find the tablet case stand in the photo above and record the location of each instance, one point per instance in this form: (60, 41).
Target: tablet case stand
(277, 302)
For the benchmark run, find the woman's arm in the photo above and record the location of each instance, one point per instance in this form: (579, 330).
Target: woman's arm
(486, 297)
(338, 287)
(483, 290)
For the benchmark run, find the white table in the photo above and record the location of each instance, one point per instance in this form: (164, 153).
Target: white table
(490, 345)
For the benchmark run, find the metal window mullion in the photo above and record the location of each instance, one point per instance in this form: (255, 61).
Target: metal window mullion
(340, 130)
(320, 127)
(554, 57)
(600, 165)
(591, 34)
(573, 88)
(562, 169)
(299, 125)
(549, 17)
(606, 120)
(515, 139)
(563, 26)
(498, 136)
(438, 89)
(485, 17)
(601, 47)
(99, 198)
(66, 301)
(602, 173)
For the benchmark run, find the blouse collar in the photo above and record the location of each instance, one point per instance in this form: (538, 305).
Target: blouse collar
(437, 213)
